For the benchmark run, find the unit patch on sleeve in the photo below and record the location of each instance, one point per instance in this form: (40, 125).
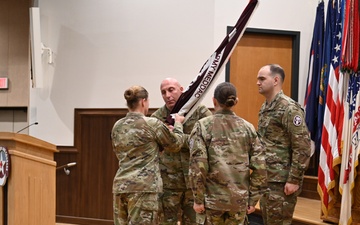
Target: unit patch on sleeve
(297, 120)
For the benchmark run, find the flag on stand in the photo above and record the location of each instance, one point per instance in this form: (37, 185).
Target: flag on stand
(350, 148)
(197, 89)
(325, 68)
(351, 127)
(311, 102)
(351, 41)
(334, 110)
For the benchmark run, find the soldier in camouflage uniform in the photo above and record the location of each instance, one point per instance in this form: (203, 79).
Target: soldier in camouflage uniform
(177, 197)
(283, 131)
(227, 163)
(136, 140)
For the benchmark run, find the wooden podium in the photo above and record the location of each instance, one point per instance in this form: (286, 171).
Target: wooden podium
(29, 196)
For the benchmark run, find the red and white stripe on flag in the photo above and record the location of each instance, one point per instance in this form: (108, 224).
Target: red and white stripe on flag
(333, 115)
(329, 152)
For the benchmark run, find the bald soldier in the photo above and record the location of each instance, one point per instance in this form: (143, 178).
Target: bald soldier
(283, 132)
(177, 197)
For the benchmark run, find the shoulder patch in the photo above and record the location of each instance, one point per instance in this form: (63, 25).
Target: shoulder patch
(297, 120)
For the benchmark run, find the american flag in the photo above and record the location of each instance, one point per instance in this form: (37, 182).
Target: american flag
(334, 111)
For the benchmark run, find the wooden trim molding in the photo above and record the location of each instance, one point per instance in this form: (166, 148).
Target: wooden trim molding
(66, 150)
(81, 220)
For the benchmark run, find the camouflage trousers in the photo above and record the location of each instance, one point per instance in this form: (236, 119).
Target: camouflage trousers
(218, 217)
(177, 206)
(136, 208)
(276, 207)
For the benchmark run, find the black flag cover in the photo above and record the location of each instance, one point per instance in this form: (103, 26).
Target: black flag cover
(195, 92)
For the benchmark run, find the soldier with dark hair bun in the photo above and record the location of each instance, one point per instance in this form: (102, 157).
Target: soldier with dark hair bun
(283, 132)
(136, 141)
(227, 163)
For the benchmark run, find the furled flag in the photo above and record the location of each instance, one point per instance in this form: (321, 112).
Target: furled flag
(351, 41)
(195, 92)
(333, 115)
(313, 81)
(325, 68)
(350, 148)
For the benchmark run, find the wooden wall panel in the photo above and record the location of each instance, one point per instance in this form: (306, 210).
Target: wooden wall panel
(4, 30)
(14, 52)
(309, 189)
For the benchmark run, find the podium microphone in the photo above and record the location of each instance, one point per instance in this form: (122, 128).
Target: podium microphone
(35, 123)
(66, 166)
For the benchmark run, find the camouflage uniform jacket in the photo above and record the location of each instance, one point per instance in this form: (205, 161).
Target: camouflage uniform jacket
(283, 132)
(175, 166)
(224, 148)
(136, 140)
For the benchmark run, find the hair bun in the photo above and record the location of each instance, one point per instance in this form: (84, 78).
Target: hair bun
(133, 95)
(225, 94)
(129, 94)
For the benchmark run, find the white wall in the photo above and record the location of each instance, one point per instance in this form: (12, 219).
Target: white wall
(102, 47)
